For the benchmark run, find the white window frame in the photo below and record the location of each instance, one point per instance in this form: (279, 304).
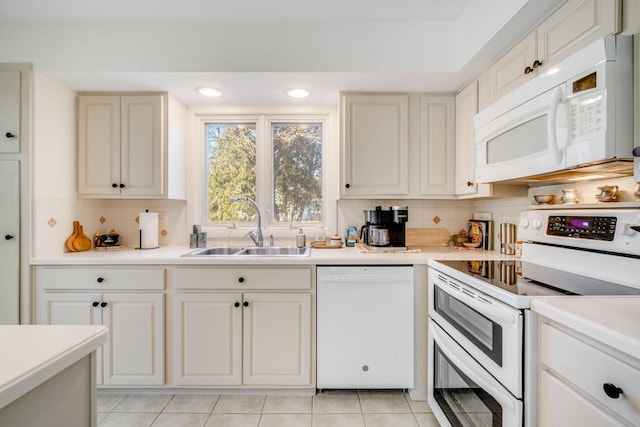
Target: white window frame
(264, 118)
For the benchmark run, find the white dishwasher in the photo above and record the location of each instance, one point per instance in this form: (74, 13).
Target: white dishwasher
(365, 327)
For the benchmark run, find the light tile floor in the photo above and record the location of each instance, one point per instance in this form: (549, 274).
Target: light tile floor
(328, 409)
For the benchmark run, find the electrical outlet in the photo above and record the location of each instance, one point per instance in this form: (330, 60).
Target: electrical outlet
(163, 218)
(485, 216)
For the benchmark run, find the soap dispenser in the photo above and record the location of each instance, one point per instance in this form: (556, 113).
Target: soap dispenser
(301, 239)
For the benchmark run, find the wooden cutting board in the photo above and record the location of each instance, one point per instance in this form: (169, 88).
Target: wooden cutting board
(416, 237)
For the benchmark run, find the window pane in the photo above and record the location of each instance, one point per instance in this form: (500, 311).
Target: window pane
(231, 170)
(297, 172)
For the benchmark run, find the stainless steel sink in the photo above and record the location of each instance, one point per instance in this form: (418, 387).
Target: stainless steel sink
(276, 251)
(251, 251)
(216, 251)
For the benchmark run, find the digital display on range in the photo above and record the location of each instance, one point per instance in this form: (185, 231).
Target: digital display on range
(582, 227)
(581, 223)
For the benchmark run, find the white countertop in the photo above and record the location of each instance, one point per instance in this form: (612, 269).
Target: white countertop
(31, 354)
(173, 255)
(611, 320)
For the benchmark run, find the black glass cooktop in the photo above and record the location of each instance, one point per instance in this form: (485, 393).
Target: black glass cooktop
(522, 278)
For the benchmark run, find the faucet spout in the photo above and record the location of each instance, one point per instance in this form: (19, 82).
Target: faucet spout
(257, 236)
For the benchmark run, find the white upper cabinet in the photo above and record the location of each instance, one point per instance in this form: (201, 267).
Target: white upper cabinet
(437, 145)
(10, 109)
(375, 145)
(466, 108)
(571, 27)
(124, 144)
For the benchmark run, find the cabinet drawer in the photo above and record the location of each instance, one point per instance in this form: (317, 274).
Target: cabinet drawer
(589, 368)
(243, 278)
(100, 278)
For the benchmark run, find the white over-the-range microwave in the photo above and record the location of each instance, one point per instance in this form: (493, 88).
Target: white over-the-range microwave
(574, 119)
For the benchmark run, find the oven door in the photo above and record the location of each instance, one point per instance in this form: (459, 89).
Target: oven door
(461, 393)
(491, 331)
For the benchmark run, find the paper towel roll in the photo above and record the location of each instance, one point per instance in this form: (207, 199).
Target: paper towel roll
(148, 226)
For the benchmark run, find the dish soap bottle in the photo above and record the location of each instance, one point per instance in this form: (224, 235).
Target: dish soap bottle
(301, 239)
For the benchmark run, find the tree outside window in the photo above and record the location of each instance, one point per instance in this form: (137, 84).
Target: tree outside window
(295, 174)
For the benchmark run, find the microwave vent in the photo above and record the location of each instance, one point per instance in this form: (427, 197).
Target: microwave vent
(611, 168)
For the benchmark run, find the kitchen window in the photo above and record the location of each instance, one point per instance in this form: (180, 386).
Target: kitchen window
(277, 160)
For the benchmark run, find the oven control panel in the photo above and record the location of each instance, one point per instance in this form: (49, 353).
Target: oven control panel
(583, 227)
(608, 230)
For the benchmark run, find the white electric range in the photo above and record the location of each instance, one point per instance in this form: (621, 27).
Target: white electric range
(478, 309)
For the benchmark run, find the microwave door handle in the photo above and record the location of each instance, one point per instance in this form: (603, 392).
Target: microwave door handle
(552, 136)
(478, 379)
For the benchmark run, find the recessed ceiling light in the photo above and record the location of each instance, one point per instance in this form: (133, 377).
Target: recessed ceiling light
(209, 91)
(298, 93)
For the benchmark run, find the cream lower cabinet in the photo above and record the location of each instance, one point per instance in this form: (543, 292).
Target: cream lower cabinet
(134, 352)
(237, 337)
(582, 382)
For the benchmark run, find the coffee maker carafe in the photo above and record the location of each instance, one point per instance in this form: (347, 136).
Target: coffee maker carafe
(385, 228)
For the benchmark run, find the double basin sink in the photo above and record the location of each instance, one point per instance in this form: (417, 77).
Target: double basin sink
(250, 251)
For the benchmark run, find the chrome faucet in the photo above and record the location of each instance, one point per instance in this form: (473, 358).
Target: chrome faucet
(257, 236)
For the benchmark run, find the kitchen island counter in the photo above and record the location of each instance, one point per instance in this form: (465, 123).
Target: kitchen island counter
(610, 320)
(172, 255)
(47, 374)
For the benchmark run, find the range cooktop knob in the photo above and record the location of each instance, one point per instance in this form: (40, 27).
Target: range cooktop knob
(536, 224)
(524, 223)
(630, 229)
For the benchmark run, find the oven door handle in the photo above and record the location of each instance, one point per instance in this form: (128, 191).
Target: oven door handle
(451, 354)
(505, 317)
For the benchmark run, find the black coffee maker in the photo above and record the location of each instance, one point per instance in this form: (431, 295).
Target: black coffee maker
(385, 228)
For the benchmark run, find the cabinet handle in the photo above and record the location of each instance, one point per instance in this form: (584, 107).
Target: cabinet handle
(241, 279)
(611, 390)
(9, 135)
(95, 303)
(121, 185)
(347, 186)
(100, 279)
(528, 70)
(536, 64)
(236, 304)
(8, 237)
(469, 184)
(114, 185)
(245, 304)
(103, 304)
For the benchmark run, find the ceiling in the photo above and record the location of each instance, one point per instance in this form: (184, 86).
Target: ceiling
(254, 50)
(231, 10)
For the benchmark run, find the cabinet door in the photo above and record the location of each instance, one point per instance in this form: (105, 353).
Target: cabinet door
(142, 142)
(9, 241)
(375, 145)
(134, 352)
(508, 72)
(78, 308)
(437, 149)
(560, 405)
(466, 108)
(69, 308)
(99, 145)
(10, 111)
(209, 339)
(576, 24)
(277, 339)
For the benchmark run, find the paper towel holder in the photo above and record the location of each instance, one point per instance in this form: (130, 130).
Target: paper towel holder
(140, 246)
